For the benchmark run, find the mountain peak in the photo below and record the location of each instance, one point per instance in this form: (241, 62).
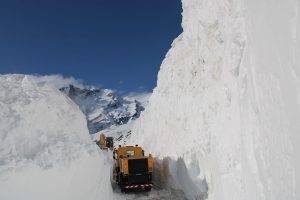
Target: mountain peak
(103, 108)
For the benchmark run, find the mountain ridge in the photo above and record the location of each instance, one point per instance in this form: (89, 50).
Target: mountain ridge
(103, 108)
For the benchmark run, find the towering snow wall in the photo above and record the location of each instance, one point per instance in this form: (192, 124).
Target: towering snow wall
(228, 99)
(45, 149)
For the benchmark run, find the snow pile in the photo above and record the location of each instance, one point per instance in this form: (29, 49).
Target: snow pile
(228, 100)
(45, 148)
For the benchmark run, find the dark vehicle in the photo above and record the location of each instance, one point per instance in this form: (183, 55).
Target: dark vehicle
(106, 143)
(110, 143)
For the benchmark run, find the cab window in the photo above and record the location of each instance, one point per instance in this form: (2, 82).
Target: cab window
(129, 153)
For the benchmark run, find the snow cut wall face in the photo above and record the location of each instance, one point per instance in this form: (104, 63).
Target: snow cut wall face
(45, 149)
(227, 99)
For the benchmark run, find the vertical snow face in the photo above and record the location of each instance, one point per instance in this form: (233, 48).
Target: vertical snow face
(271, 98)
(227, 99)
(45, 149)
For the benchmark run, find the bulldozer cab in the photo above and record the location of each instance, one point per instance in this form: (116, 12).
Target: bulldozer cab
(130, 152)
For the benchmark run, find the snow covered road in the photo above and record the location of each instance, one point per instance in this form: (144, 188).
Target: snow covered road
(157, 194)
(226, 111)
(171, 181)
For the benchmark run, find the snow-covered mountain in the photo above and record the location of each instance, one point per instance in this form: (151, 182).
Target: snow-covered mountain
(104, 108)
(227, 101)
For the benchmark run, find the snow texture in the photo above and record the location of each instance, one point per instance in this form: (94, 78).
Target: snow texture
(227, 100)
(45, 148)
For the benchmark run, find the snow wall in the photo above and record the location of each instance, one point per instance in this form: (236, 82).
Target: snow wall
(227, 100)
(45, 148)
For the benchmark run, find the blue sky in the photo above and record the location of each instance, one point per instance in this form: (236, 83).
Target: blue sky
(116, 44)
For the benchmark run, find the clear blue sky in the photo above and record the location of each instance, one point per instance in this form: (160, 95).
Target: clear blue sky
(116, 44)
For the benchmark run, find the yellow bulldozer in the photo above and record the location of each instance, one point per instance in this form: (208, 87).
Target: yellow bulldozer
(106, 143)
(132, 169)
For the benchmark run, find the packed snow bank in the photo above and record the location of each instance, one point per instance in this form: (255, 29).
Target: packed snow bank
(228, 99)
(45, 148)
(173, 175)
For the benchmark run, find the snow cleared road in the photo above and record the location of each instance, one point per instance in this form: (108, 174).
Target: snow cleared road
(226, 106)
(170, 179)
(157, 194)
(163, 187)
